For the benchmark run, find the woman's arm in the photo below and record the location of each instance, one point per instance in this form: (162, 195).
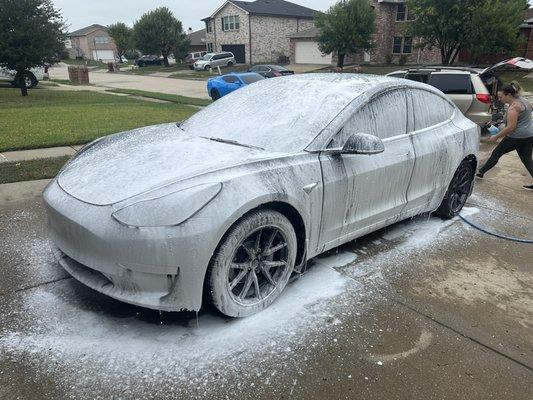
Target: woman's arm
(512, 121)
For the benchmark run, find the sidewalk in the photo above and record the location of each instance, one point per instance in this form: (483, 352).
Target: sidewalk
(25, 155)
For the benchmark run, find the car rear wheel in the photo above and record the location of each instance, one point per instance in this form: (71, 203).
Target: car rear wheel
(253, 264)
(27, 79)
(215, 95)
(458, 191)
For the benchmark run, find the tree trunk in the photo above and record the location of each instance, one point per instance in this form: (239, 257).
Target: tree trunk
(21, 83)
(340, 60)
(165, 59)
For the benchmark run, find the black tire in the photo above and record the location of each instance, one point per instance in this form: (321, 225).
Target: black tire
(236, 282)
(27, 79)
(230, 64)
(207, 68)
(140, 65)
(215, 95)
(458, 191)
(191, 67)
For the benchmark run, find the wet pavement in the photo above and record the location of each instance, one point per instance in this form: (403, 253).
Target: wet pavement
(425, 309)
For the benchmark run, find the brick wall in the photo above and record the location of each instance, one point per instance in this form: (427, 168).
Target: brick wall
(270, 36)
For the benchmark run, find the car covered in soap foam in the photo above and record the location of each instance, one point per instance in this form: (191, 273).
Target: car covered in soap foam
(227, 205)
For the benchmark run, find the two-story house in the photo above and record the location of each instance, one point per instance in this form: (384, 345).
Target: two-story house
(257, 31)
(92, 43)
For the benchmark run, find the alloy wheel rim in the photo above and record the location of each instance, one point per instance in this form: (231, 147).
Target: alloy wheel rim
(460, 189)
(258, 265)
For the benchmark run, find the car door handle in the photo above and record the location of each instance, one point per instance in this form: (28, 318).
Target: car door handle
(404, 155)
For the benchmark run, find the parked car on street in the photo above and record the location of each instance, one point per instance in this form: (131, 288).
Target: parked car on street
(473, 90)
(271, 71)
(191, 58)
(213, 60)
(146, 60)
(222, 85)
(31, 78)
(239, 196)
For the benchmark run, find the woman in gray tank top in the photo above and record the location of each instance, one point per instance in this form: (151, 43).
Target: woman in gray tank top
(517, 134)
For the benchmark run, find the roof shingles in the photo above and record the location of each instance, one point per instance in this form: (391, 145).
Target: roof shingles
(276, 7)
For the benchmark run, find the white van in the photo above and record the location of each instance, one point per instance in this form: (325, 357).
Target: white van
(31, 77)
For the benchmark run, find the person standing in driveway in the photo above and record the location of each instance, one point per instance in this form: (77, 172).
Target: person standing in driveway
(517, 134)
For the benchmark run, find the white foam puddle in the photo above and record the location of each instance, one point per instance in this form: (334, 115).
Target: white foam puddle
(62, 336)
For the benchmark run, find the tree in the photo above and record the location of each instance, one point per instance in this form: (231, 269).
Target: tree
(495, 28)
(123, 37)
(452, 25)
(347, 27)
(158, 32)
(31, 34)
(182, 48)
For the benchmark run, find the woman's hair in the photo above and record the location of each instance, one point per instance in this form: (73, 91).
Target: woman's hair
(513, 89)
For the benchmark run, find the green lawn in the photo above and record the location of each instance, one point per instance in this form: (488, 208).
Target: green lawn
(48, 118)
(31, 170)
(205, 75)
(157, 68)
(164, 96)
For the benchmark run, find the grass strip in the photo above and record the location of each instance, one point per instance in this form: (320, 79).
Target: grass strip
(30, 170)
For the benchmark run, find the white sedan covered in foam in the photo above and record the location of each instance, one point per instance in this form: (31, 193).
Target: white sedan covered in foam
(225, 206)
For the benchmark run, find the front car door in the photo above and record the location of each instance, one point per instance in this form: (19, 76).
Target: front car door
(365, 192)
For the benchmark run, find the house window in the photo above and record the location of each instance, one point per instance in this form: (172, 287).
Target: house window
(402, 45)
(401, 12)
(230, 23)
(208, 27)
(101, 39)
(407, 45)
(209, 47)
(397, 46)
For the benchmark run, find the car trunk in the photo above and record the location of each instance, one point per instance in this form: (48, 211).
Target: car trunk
(505, 72)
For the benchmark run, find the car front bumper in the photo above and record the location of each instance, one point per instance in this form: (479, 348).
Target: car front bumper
(159, 268)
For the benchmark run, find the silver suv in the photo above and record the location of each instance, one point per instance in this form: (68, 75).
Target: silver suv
(213, 60)
(463, 86)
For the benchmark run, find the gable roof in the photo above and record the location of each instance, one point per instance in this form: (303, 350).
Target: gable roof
(87, 30)
(197, 38)
(306, 34)
(279, 8)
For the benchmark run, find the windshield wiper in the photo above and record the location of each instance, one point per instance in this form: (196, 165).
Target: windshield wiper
(234, 142)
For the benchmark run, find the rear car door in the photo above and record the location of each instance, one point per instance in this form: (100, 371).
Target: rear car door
(363, 191)
(457, 85)
(436, 142)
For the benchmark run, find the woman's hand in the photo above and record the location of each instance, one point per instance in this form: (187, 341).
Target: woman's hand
(493, 138)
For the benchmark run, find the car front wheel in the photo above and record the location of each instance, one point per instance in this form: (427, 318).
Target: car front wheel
(230, 64)
(253, 264)
(207, 68)
(215, 95)
(458, 191)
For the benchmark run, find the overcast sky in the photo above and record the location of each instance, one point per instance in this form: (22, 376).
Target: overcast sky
(80, 13)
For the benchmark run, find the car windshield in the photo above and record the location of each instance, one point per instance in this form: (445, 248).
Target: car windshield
(278, 68)
(251, 78)
(207, 57)
(281, 115)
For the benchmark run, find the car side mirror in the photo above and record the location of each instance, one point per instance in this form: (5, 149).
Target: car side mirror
(362, 143)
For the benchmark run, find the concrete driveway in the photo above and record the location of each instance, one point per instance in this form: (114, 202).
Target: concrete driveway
(426, 309)
(159, 84)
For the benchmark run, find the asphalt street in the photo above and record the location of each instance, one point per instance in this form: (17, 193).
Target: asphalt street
(425, 309)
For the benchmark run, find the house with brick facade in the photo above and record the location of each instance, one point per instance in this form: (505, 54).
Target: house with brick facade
(390, 40)
(257, 31)
(92, 43)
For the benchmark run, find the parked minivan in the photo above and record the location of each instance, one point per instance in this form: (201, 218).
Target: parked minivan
(213, 60)
(191, 58)
(462, 85)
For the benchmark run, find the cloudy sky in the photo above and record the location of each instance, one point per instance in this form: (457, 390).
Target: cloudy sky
(80, 13)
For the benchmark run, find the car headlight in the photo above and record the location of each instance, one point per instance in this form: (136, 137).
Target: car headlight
(168, 209)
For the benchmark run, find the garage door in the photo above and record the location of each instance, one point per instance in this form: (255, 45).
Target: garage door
(104, 55)
(308, 53)
(238, 51)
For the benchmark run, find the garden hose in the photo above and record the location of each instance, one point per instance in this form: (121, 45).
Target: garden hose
(498, 235)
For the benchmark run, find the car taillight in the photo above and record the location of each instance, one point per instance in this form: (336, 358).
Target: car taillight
(483, 97)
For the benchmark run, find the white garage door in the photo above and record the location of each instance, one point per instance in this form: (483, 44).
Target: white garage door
(104, 55)
(308, 53)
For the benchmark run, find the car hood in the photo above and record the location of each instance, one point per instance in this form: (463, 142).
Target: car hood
(518, 66)
(128, 164)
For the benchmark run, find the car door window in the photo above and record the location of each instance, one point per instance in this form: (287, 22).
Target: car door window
(452, 83)
(230, 79)
(384, 116)
(429, 109)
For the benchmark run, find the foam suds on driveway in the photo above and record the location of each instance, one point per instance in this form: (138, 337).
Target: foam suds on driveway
(82, 339)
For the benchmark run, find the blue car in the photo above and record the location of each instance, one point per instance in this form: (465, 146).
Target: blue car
(224, 84)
